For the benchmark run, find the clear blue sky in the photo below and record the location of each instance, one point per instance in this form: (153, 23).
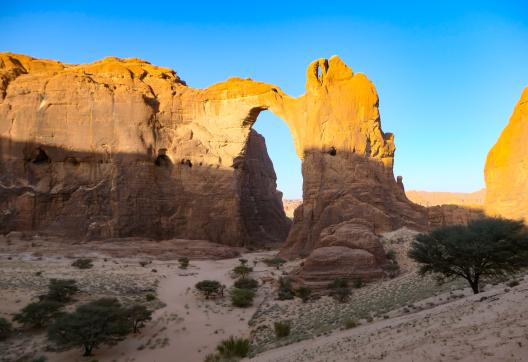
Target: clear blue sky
(448, 75)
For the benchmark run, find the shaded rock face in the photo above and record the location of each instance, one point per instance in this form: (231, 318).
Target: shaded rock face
(506, 170)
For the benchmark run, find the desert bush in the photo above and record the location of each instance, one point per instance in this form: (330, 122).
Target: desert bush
(242, 297)
(390, 254)
(234, 347)
(5, 329)
(150, 297)
(513, 283)
(358, 283)
(340, 290)
(209, 287)
(61, 290)
(138, 314)
(392, 269)
(285, 291)
(83, 263)
(486, 247)
(184, 262)
(242, 271)
(246, 283)
(351, 323)
(282, 329)
(38, 314)
(274, 262)
(304, 293)
(103, 321)
(243, 261)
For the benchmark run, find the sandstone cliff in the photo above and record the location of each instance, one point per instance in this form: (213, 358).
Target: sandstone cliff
(506, 170)
(430, 198)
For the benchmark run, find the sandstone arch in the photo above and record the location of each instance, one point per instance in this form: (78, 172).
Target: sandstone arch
(114, 116)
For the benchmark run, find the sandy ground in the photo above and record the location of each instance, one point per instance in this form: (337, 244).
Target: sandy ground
(491, 326)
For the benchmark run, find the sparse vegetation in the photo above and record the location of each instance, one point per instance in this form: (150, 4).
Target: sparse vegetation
(351, 323)
(246, 283)
(61, 290)
(513, 283)
(392, 269)
(83, 263)
(487, 247)
(390, 254)
(282, 329)
(210, 288)
(242, 297)
(150, 297)
(358, 283)
(234, 347)
(285, 291)
(6, 329)
(304, 293)
(103, 321)
(242, 271)
(274, 262)
(184, 262)
(340, 290)
(38, 314)
(138, 314)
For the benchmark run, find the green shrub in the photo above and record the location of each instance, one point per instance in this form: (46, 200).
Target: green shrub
(39, 314)
(138, 314)
(243, 261)
(304, 293)
(242, 271)
(150, 297)
(246, 283)
(285, 291)
(513, 283)
(234, 347)
(184, 262)
(209, 287)
(242, 297)
(83, 263)
(340, 290)
(103, 321)
(390, 254)
(274, 262)
(351, 323)
(282, 329)
(5, 329)
(61, 290)
(392, 269)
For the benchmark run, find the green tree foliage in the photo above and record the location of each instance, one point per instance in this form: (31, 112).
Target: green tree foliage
(61, 290)
(282, 329)
(5, 329)
(103, 321)
(138, 314)
(209, 287)
(246, 283)
(304, 293)
(274, 262)
(487, 247)
(242, 271)
(39, 314)
(242, 297)
(340, 290)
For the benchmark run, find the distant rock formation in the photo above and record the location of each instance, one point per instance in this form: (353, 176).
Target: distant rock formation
(506, 170)
(290, 205)
(431, 198)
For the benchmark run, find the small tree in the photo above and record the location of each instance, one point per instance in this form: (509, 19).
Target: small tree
(184, 262)
(103, 321)
(39, 314)
(209, 287)
(487, 247)
(5, 329)
(242, 270)
(61, 290)
(304, 293)
(274, 262)
(242, 297)
(138, 314)
(282, 329)
(340, 290)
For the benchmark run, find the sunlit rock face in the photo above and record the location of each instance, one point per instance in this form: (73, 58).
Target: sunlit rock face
(506, 170)
(124, 148)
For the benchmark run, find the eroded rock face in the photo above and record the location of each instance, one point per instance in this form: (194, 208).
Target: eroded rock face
(506, 170)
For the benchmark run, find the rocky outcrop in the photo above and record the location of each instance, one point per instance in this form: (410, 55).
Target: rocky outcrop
(506, 170)
(431, 198)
